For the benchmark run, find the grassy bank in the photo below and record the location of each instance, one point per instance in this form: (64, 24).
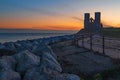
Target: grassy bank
(112, 32)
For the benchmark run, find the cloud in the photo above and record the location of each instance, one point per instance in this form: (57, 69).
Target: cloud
(42, 11)
(17, 6)
(39, 10)
(105, 24)
(77, 18)
(57, 28)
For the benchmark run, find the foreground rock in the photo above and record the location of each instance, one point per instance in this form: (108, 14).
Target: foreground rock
(9, 75)
(42, 48)
(6, 50)
(66, 77)
(7, 62)
(48, 61)
(38, 73)
(26, 60)
(31, 60)
(10, 46)
(23, 45)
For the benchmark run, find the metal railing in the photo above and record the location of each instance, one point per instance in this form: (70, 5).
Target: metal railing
(100, 44)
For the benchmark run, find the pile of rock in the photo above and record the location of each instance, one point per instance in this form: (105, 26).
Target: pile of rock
(30, 60)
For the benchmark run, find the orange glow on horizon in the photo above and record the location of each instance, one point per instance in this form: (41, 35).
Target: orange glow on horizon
(52, 22)
(44, 24)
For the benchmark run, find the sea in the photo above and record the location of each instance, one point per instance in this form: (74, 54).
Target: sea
(12, 35)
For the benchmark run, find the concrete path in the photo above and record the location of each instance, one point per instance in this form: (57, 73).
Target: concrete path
(81, 61)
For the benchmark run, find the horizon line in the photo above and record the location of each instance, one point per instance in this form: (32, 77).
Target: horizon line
(36, 29)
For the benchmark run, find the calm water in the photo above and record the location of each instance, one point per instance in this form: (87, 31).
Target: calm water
(14, 35)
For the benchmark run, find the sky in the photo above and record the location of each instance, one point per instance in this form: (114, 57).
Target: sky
(56, 14)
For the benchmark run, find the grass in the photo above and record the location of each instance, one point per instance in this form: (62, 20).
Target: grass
(111, 73)
(111, 32)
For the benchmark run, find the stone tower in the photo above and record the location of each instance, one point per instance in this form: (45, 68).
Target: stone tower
(86, 20)
(93, 25)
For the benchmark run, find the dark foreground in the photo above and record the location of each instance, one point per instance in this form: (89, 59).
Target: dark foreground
(55, 58)
(87, 64)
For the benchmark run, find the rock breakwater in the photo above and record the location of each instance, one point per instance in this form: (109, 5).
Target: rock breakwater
(32, 60)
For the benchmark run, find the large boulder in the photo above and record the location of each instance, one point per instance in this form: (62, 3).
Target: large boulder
(7, 62)
(39, 48)
(23, 45)
(66, 77)
(49, 66)
(6, 51)
(48, 61)
(10, 46)
(9, 75)
(36, 73)
(51, 52)
(42, 48)
(26, 60)
(40, 73)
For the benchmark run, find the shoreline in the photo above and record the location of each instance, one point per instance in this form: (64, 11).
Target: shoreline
(13, 47)
(32, 60)
(13, 37)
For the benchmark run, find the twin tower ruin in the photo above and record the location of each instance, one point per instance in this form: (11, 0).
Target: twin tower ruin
(93, 25)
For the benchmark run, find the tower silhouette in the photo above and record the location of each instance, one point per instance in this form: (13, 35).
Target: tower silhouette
(93, 25)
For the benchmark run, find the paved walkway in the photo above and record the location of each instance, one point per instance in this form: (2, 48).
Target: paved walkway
(81, 61)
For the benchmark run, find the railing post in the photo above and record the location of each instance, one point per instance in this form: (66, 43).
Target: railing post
(103, 41)
(90, 42)
(82, 40)
(77, 42)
